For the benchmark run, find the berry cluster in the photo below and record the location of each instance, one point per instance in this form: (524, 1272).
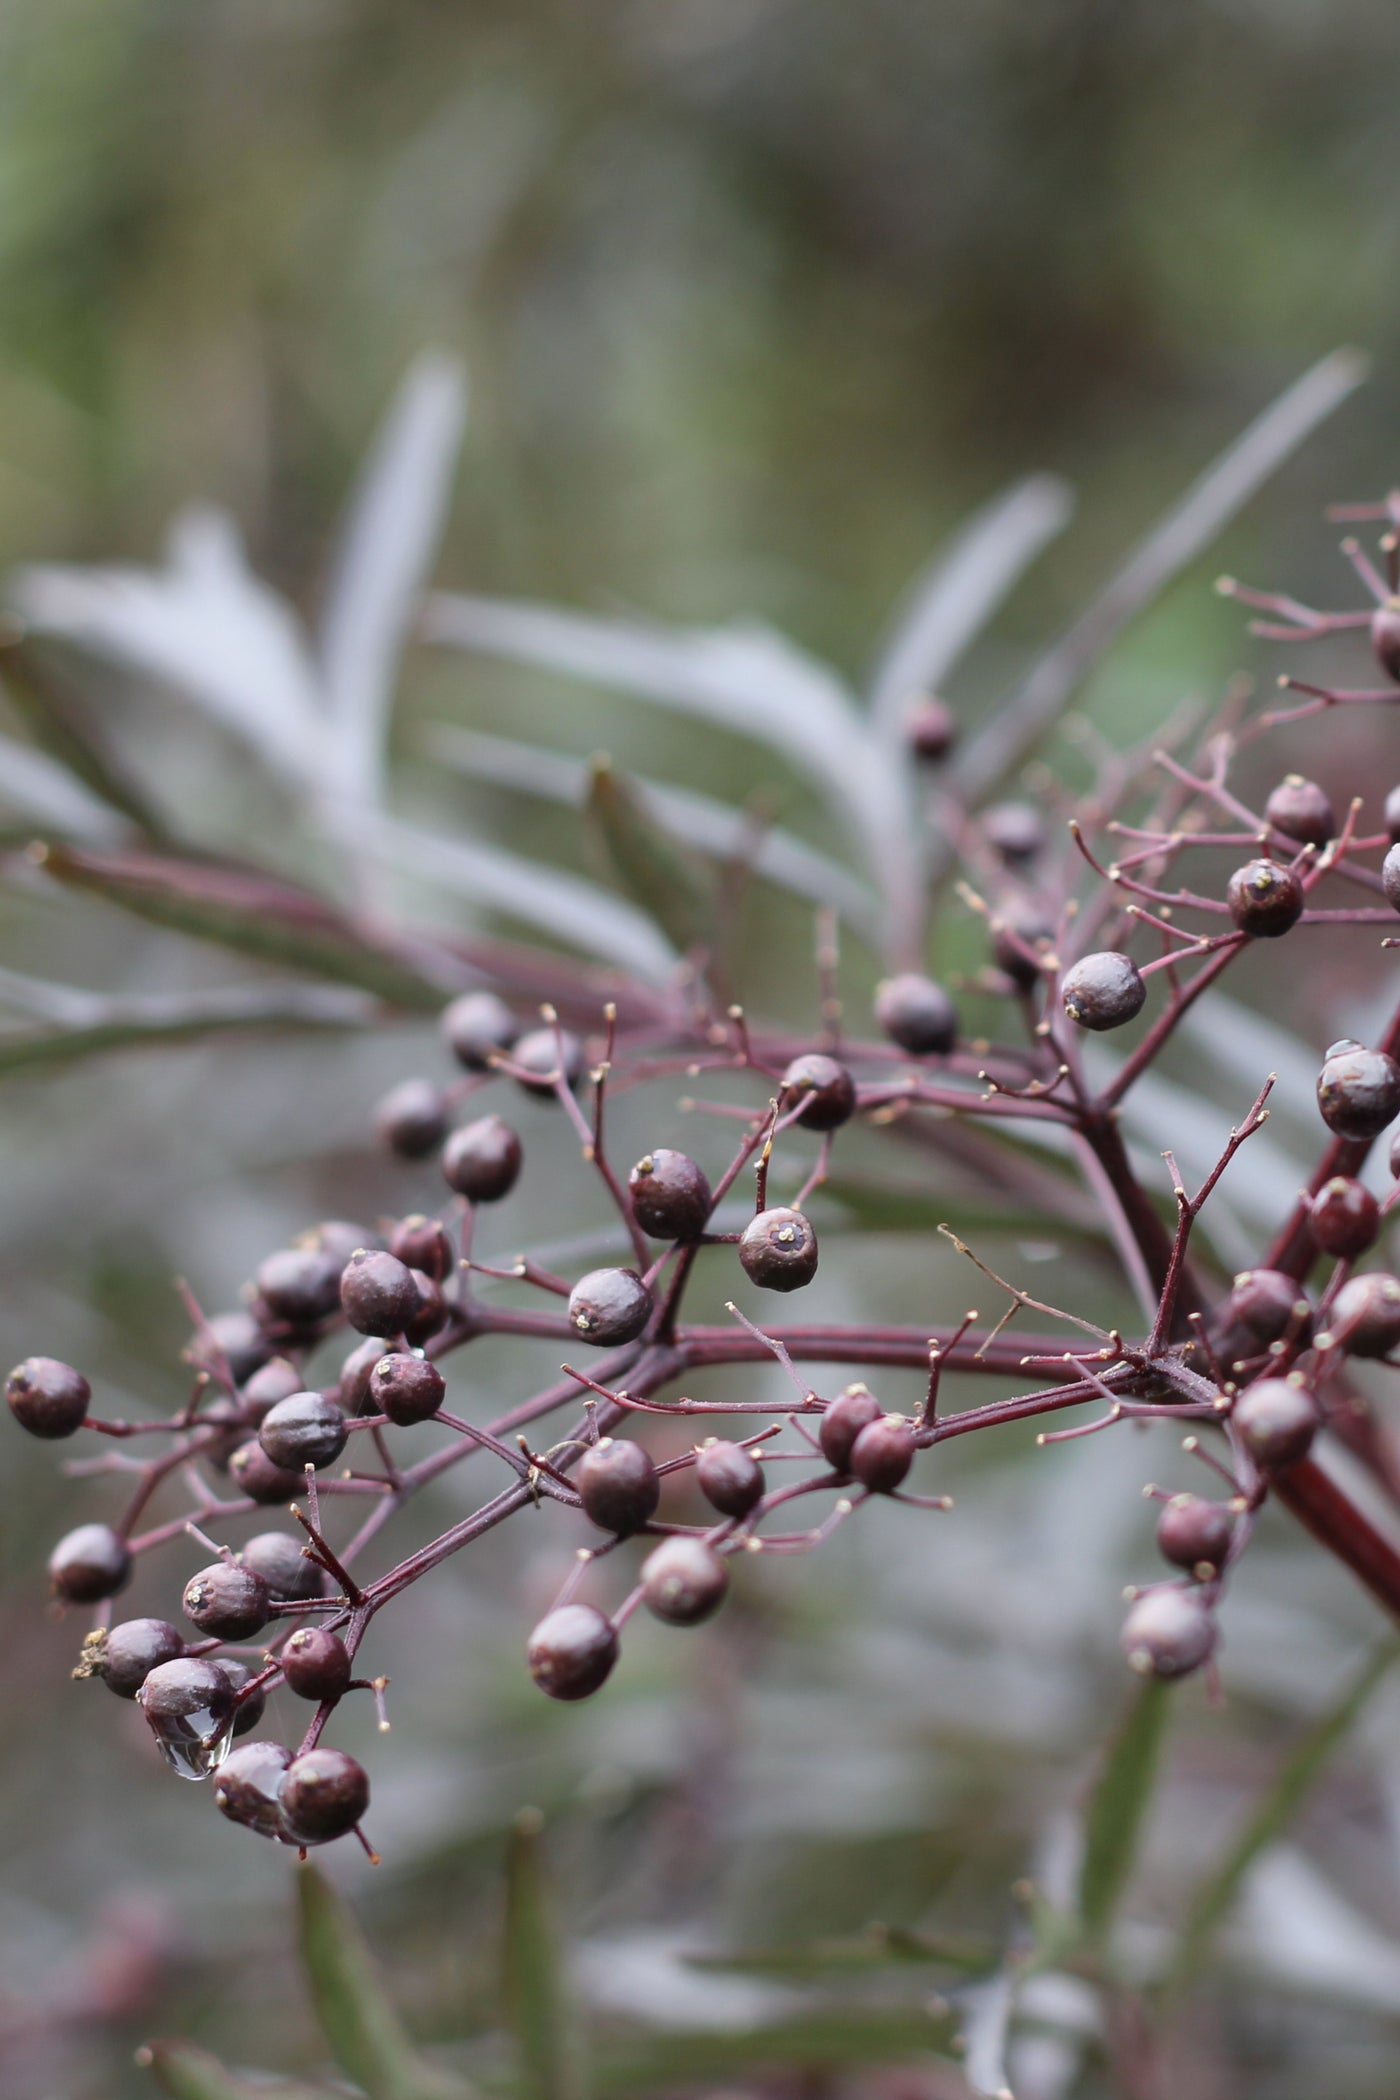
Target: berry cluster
(1260, 1368)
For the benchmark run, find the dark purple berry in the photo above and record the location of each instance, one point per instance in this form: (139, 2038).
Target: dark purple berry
(422, 1243)
(481, 1161)
(618, 1486)
(1168, 1633)
(315, 1663)
(1195, 1534)
(1390, 877)
(307, 1430)
(477, 1026)
(1015, 830)
(246, 1785)
(89, 1564)
(234, 1339)
(1276, 1420)
(1385, 637)
(407, 1389)
(132, 1649)
(259, 1479)
(1358, 1091)
(543, 1053)
(917, 1014)
(1268, 1305)
(1301, 810)
(323, 1795)
(684, 1581)
(1021, 940)
(778, 1250)
(299, 1285)
(1365, 1315)
(433, 1311)
(848, 1415)
(609, 1307)
(671, 1197)
(229, 1601)
(1392, 815)
(1265, 900)
(277, 1380)
(826, 1087)
(352, 1387)
(572, 1652)
(1102, 991)
(283, 1565)
(930, 729)
(411, 1120)
(729, 1477)
(1344, 1217)
(48, 1398)
(377, 1292)
(190, 1705)
(339, 1238)
(882, 1454)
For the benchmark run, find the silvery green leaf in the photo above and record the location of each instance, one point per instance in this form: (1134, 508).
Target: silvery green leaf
(47, 794)
(387, 545)
(204, 625)
(985, 2029)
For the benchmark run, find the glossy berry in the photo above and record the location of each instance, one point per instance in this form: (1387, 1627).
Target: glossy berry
(930, 729)
(432, 1314)
(1358, 1091)
(307, 1430)
(1015, 830)
(1276, 1420)
(246, 1787)
(411, 1120)
(572, 1651)
(257, 1477)
(1267, 1305)
(778, 1250)
(422, 1243)
(279, 1559)
(1195, 1534)
(315, 1663)
(1344, 1217)
(1390, 877)
(1168, 1633)
(132, 1649)
(299, 1285)
(1102, 991)
(277, 1380)
(232, 1339)
(882, 1454)
(729, 1477)
(477, 1026)
(323, 1795)
(917, 1014)
(48, 1398)
(618, 1486)
(542, 1053)
(1385, 637)
(1265, 900)
(684, 1581)
(848, 1416)
(89, 1564)
(352, 1387)
(229, 1601)
(1300, 809)
(1392, 815)
(407, 1389)
(671, 1197)
(377, 1292)
(1365, 1315)
(482, 1160)
(608, 1307)
(190, 1706)
(826, 1087)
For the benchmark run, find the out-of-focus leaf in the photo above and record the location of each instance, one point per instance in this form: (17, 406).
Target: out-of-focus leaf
(246, 911)
(657, 873)
(187, 2073)
(387, 546)
(1213, 1901)
(204, 626)
(580, 913)
(882, 1946)
(821, 2040)
(1118, 1805)
(92, 784)
(875, 1207)
(950, 603)
(713, 827)
(986, 2027)
(536, 1994)
(83, 1024)
(46, 793)
(362, 2029)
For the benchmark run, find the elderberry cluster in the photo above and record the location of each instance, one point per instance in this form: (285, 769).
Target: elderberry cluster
(282, 1415)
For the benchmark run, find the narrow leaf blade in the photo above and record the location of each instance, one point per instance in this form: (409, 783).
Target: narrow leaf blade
(56, 720)
(187, 2073)
(658, 875)
(1119, 1804)
(537, 1999)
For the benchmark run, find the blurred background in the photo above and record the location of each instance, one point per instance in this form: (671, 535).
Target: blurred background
(758, 299)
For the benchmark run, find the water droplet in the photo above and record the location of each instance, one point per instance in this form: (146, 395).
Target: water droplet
(196, 1743)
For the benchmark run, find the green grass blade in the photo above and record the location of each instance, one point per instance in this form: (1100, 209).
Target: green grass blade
(1118, 1806)
(187, 2073)
(536, 1993)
